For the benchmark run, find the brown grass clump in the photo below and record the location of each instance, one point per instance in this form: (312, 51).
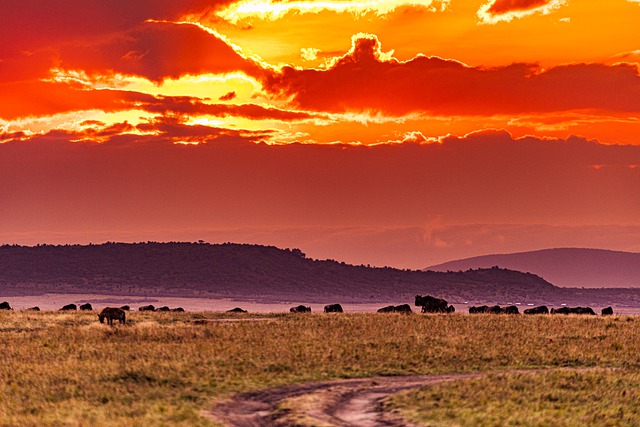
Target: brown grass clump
(67, 369)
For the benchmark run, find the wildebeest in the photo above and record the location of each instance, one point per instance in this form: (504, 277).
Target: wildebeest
(300, 309)
(178, 310)
(543, 309)
(236, 310)
(512, 309)
(86, 307)
(163, 308)
(125, 308)
(431, 304)
(147, 308)
(496, 309)
(111, 314)
(5, 306)
(69, 307)
(451, 309)
(404, 308)
(333, 308)
(573, 310)
(36, 308)
(607, 311)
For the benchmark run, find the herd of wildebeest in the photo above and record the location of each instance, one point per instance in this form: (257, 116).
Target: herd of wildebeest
(427, 303)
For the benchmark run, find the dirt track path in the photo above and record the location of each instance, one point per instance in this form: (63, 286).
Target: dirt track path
(353, 402)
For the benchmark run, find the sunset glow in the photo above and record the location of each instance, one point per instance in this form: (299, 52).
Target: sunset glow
(389, 124)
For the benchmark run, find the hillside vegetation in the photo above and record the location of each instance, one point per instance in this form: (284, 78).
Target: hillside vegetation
(263, 273)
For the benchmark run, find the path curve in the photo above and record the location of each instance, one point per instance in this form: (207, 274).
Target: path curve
(341, 403)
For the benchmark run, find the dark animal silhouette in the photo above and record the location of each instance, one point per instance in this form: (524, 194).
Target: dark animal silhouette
(496, 309)
(404, 308)
(236, 310)
(478, 310)
(333, 308)
(36, 308)
(86, 307)
(607, 311)
(300, 309)
(543, 309)
(451, 309)
(111, 314)
(431, 304)
(512, 309)
(5, 306)
(178, 310)
(125, 308)
(69, 307)
(163, 308)
(573, 310)
(147, 308)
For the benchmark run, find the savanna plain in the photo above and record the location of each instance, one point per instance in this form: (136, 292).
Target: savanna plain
(61, 368)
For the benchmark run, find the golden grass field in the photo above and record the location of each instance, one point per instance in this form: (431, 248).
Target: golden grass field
(163, 369)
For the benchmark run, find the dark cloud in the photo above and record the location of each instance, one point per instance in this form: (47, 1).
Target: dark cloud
(364, 80)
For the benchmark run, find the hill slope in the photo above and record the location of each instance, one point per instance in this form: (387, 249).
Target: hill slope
(567, 267)
(240, 271)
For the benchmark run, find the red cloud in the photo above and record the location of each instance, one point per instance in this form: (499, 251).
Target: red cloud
(37, 35)
(364, 79)
(158, 51)
(503, 6)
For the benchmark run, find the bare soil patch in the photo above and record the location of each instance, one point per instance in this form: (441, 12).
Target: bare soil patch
(350, 402)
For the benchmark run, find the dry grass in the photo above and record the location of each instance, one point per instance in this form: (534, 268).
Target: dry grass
(558, 398)
(67, 369)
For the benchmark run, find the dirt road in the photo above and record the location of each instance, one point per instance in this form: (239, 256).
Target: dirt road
(353, 402)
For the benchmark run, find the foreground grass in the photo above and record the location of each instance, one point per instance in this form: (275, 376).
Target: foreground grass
(163, 369)
(560, 398)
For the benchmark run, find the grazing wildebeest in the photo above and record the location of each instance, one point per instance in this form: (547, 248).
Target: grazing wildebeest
(607, 311)
(333, 308)
(573, 310)
(36, 308)
(147, 308)
(178, 310)
(164, 308)
(496, 309)
(111, 314)
(543, 309)
(125, 308)
(583, 310)
(512, 309)
(69, 307)
(404, 309)
(86, 307)
(431, 304)
(300, 309)
(451, 309)
(5, 306)
(236, 310)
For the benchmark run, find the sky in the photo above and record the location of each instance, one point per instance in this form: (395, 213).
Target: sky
(385, 132)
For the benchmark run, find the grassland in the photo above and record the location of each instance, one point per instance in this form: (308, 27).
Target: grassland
(163, 369)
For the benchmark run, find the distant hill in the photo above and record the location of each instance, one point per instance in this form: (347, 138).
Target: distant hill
(567, 267)
(264, 274)
(248, 272)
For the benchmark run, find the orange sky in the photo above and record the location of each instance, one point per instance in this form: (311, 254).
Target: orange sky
(514, 120)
